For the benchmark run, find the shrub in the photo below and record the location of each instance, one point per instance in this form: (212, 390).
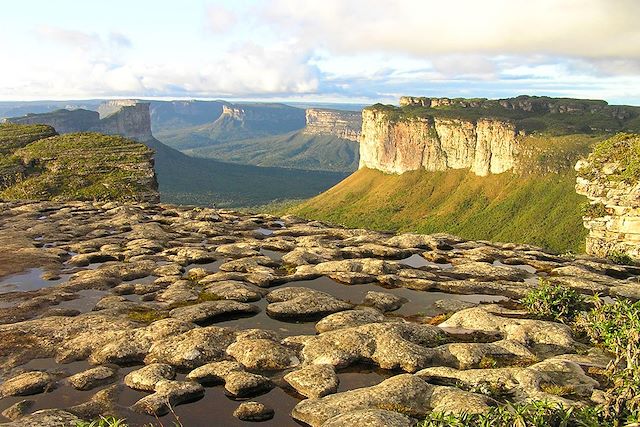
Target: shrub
(616, 327)
(621, 258)
(103, 422)
(554, 302)
(594, 210)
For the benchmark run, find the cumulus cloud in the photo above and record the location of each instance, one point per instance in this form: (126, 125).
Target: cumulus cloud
(588, 28)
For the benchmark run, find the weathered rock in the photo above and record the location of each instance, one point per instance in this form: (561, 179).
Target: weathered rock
(262, 354)
(209, 310)
(46, 417)
(406, 346)
(313, 380)
(253, 411)
(234, 290)
(403, 393)
(554, 336)
(193, 348)
(383, 301)
(92, 378)
(303, 303)
(147, 377)
(32, 382)
(18, 410)
(370, 418)
(236, 381)
(167, 395)
(349, 319)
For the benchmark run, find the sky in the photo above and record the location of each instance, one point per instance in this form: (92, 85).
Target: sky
(319, 50)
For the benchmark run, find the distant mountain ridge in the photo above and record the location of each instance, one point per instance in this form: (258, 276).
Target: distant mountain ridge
(188, 180)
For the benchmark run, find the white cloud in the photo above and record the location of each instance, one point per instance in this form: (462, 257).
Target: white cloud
(220, 19)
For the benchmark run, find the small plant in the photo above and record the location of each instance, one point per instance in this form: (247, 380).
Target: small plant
(104, 422)
(621, 258)
(554, 302)
(147, 315)
(594, 210)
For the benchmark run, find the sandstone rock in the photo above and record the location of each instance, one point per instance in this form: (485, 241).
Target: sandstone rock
(193, 348)
(262, 354)
(92, 378)
(406, 346)
(168, 394)
(302, 303)
(46, 417)
(18, 410)
(235, 290)
(32, 382)
(236, 381)
(370, 418)
(147, 377)
(253, 411)
(209, 310)
(349, 319)
(383, 301)
(313, 380)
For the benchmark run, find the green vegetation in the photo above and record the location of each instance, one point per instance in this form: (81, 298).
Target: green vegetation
(554, 302)
(82, 166)
(623, 150)
(621, 258)
(291, 150)
(254, 121)
(104, 422)
(541, 210)
(594, 210)
(13, 136)
(613, 326)
(196, 181)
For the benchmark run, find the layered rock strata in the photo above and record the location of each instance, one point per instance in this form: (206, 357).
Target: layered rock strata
(343, 124)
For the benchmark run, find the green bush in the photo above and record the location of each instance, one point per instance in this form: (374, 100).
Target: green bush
(621, 258)
(554, 302)
(103, 422)
(594, 210)
(529, 414)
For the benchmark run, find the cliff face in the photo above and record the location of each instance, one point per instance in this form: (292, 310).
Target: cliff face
(128, 118)
(396, 146)
(343, 124)
(609, 178)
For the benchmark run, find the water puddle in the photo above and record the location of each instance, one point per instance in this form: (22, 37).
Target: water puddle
(264, 231)
(86, 300)
(419, 302)
(416, 261)
(29, 280)
(274, 255)
(525, 267)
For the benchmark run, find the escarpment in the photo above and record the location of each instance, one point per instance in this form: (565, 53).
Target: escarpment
(610, 178)
(128, 118)
(433, 143)
(343, 124)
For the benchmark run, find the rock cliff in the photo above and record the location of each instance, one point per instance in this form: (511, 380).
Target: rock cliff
(343, 124)
(128, 118)
(610, 178)
(433, 143)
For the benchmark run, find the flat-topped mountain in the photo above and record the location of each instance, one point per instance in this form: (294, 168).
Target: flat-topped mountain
(329, 141)
(184, 179)
(495, 169)
(128, 118)
(38, 165)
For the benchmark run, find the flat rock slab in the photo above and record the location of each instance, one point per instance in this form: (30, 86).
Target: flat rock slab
(237, 382)
(92, 378)
(314, 380)
(253, 411)
(167, 395)
(297, 303)
(209, 310)
(28, 383)
(45, 418)
(263, 354)
(370, 418)
(147, 377)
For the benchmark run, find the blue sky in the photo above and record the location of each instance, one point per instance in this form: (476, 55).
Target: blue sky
(329, 50)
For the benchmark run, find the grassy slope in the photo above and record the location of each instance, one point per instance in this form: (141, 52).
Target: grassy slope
(542, 210)
(184, 179)
(291, 150)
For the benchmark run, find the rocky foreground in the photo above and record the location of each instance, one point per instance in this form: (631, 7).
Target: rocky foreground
(132, 310)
